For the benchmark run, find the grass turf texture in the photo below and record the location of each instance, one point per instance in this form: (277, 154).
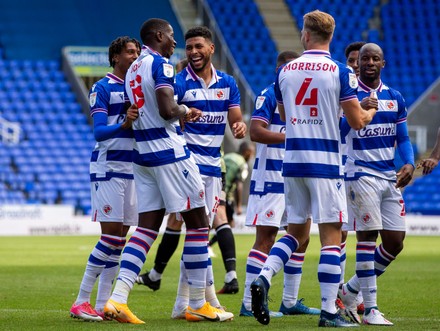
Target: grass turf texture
(40, 277)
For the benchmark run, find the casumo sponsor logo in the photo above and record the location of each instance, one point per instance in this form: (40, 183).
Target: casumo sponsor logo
(376, 132)
(211, 119)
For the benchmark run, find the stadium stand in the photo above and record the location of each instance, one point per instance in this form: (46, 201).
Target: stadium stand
(351, 21)
(50, 165)
(248, 39)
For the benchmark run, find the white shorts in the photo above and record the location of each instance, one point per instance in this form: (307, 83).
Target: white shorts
(266, 210)
(375, 204)
(213, 188)
(177, 187)
(114, 200)
(322, 199)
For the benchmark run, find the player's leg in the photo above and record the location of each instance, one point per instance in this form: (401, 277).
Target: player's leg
(290, 305)
(323, 194)
(195, 250)
(166, 249)
(107, 277)
(107, 205)
(265, 238)
(226, 244)
(151, 207)
(295, 195)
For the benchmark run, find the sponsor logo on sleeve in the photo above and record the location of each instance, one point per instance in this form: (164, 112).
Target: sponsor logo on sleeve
(168, 70)
(352, 80)
(92, 98)
(260, 101)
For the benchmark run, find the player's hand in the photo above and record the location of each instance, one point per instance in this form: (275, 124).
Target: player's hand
(238, 210)
(239, 130)
(132, 115)
(193, 115)
(370, 102)
(428, 165)
(404, 175)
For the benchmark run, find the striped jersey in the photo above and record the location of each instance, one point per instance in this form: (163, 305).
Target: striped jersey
(266, 174)
(371, 149)
(112, 157)
(311, 89)
(205, 136)
(157, 141)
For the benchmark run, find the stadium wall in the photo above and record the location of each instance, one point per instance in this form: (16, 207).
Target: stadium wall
(37, 220)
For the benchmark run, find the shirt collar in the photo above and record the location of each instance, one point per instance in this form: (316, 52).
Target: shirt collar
(368, 89)
(193, 75)
(115, 78)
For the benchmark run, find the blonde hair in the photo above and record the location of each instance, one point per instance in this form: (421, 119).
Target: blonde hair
(320, 25)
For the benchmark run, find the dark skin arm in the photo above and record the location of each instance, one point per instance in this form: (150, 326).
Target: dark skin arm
(259, 133)
(430, 163)
(169, 109)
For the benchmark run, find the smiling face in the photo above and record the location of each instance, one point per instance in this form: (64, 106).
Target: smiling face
(168, 42)
(199, 51)
(371, 63)
(353, 61)
(126, 57)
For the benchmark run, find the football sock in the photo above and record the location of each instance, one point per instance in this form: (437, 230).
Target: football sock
(329, 274)
(133, 258)
(195, 257)
(226, 244)
(96, 263)
(382, 259)
(343, 261)
(210, 294)
(254, 264)
(292, 279)
(365, 271)
(182, 298)
(278, 256)
(166, 249)
(213, 240)
(107, 277)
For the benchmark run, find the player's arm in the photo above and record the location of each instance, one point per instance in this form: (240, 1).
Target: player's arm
(405, 150)
(430, 163)
(259, 133)
(169, 109)
(356, 116)
(281, 111)
(235, 120)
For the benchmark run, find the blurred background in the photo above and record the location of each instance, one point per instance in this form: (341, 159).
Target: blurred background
(52, 51)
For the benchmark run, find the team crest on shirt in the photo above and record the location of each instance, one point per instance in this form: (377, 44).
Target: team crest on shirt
(92, 98)
(107, 209)
(352, 80)
(390, 105)
(220, 94)
(260, 101)
(168, 70)
(201, 194)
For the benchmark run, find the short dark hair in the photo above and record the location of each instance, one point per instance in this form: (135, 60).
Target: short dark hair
(150, 27)
(286, 56)
(118, 45)
(199, 31)
(356, 46)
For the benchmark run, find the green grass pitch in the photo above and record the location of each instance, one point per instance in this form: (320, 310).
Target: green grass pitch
(40, 277)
